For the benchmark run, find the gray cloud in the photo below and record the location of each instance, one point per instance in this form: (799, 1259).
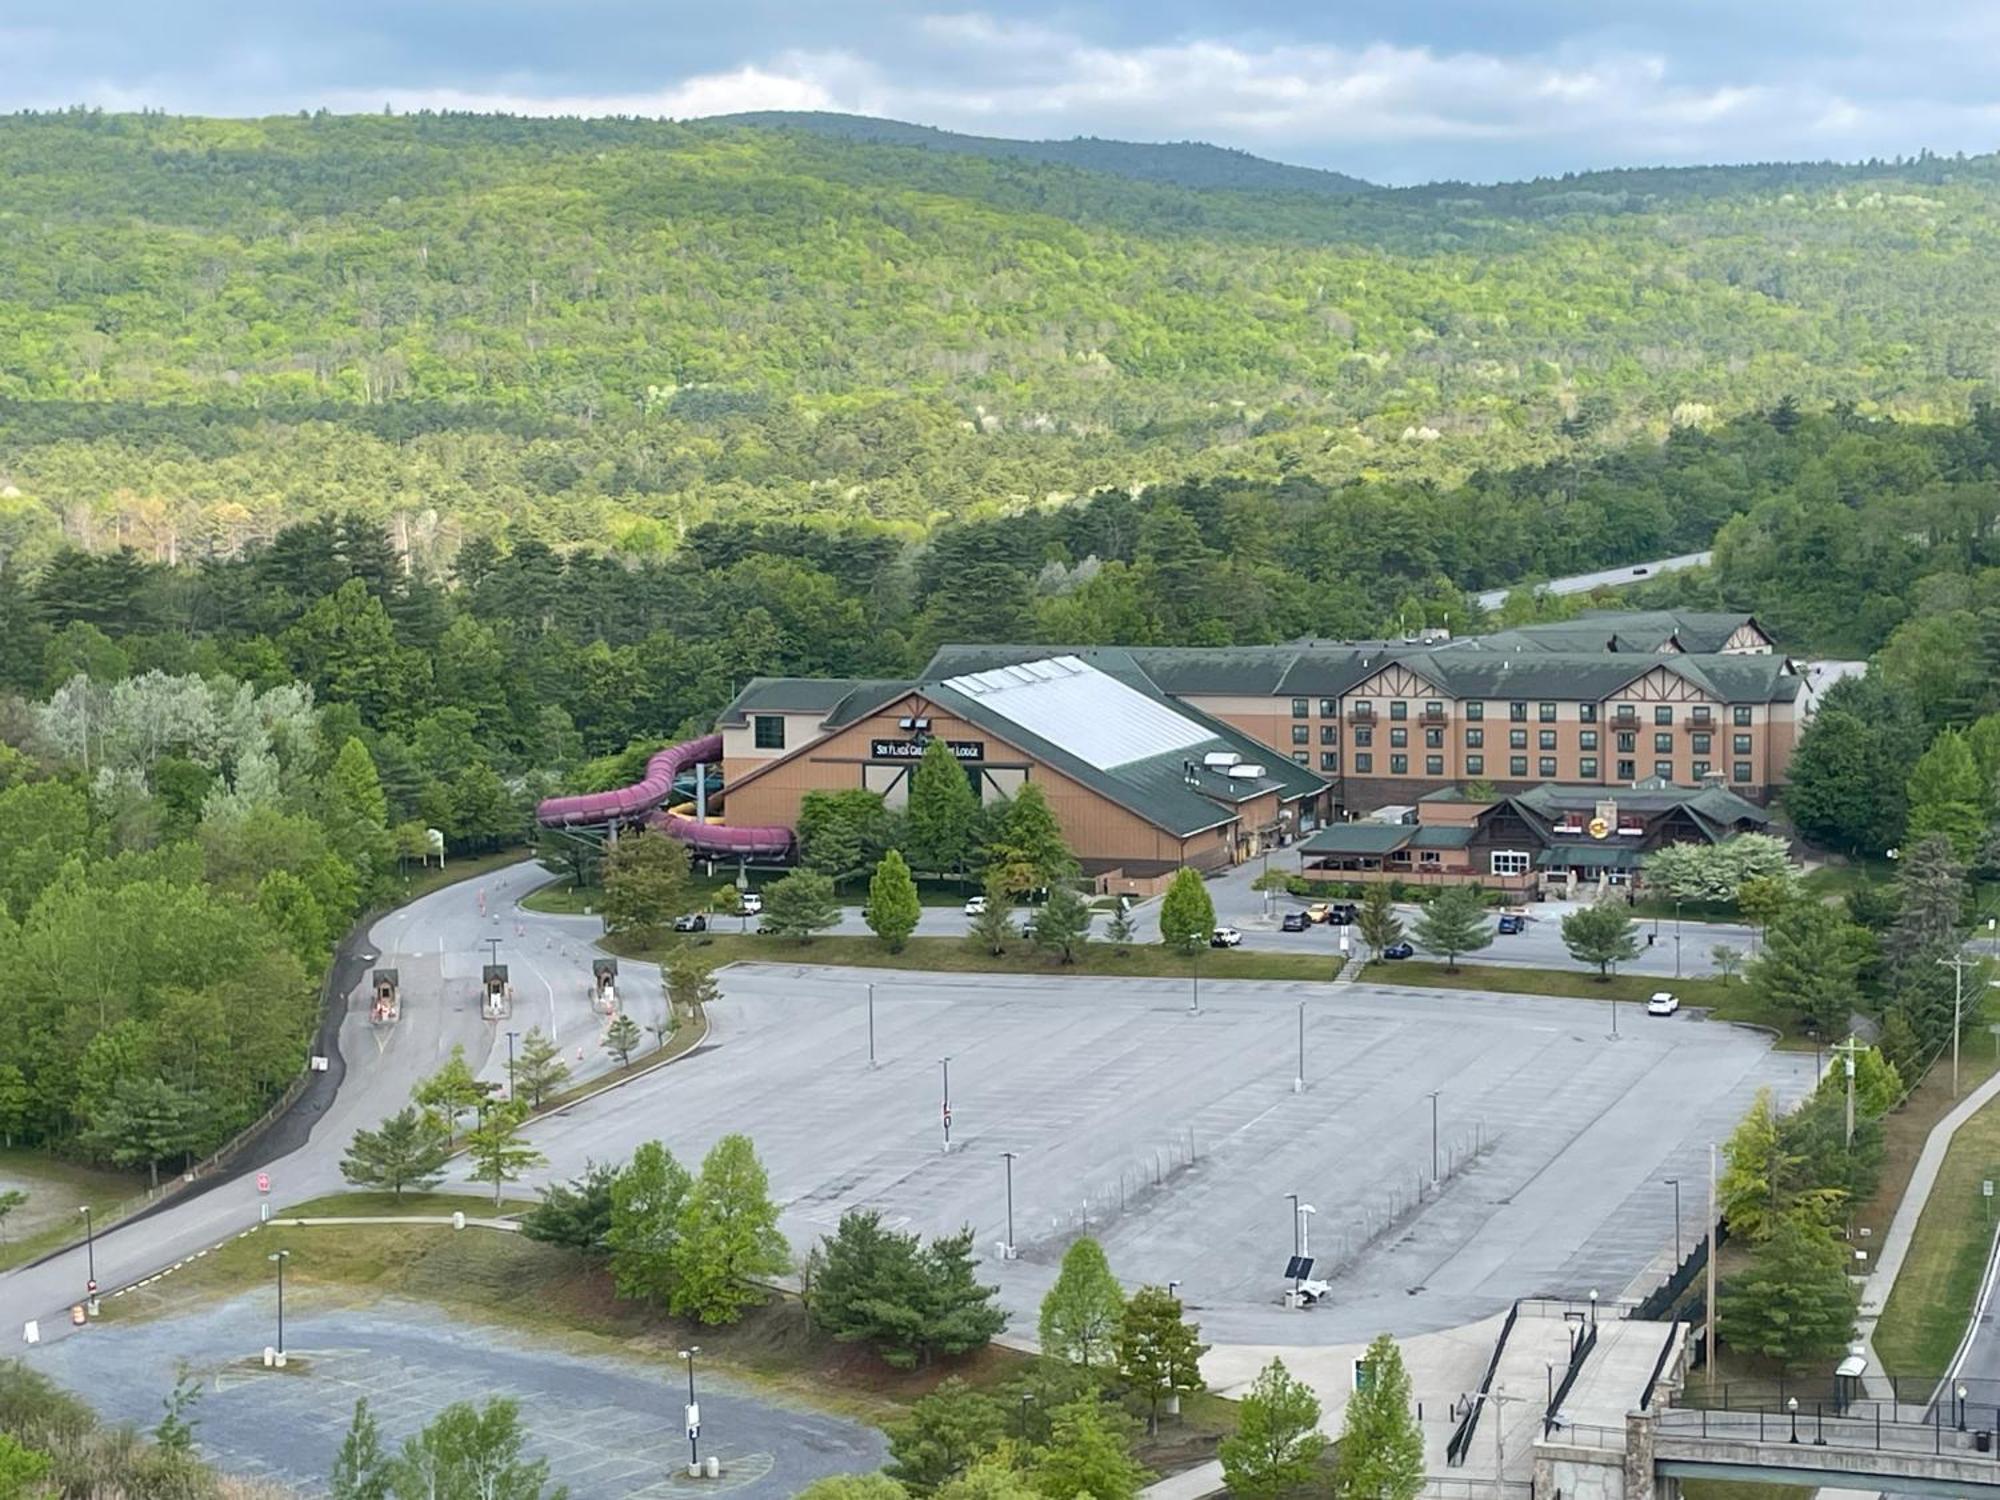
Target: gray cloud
(1398, 92)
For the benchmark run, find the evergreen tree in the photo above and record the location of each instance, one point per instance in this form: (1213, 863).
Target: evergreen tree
(1088, 1453)
(993, 928)
(880, 1287)
(1027, 848)
(1930, 888)
(1810, 965)
(942, 810)
(540, 1070)
(1602, 934)
(1187, 913)
(800, 905)
(1381, 1452)
(405, 1151)
(647, 1197)
(1380, 926)
(1062, 926)
(946, 1433)
(726, 1236)
(1118, 931)
(360, 1469)
(1277, 1443)
(1453, 923)
(575, 1214)
(1081, 1312)
(622, 1038)
(1753, 1167)
(1795, 1303)
(690, 982)
(1159, 1351)
(893, 909)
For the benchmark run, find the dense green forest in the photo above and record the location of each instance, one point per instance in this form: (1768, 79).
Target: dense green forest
(610, 331)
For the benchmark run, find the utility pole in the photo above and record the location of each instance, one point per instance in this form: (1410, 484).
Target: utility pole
(1956, 964)
(1009, 1155)
(946, 1065)
(1299, 1079)
(1847, 1050)
(1500, 1399)
(871, 1025)
(1714, 1348)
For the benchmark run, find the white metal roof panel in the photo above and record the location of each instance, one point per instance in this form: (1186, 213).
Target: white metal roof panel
(1091, 714)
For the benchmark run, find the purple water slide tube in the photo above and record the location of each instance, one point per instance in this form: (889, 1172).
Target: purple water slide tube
(641, 802)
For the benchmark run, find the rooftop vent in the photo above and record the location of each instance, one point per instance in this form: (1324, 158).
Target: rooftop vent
(1217, 759)
(1247, 772)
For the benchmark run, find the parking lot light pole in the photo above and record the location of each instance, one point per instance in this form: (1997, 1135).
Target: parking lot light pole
(945, 1063)
(1306, 1211)
(510, 1065)
(1434, 1136)
(1194, 1009)
(1675, 1184)
(89, 1255)
(1299, 1080)
(693, 1409)
(1295, 1221)
(871, 1025)
(278, 1259)
(1009, 1157)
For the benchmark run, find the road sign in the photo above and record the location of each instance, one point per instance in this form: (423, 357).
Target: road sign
(947, 1114)
(91, 1286)
(693, 1420)
(263, 1182)
(1986, 1188)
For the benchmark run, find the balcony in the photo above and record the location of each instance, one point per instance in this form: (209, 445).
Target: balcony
(1431, 716)
(1625, 718)
(1700, 723)
(1361, 713)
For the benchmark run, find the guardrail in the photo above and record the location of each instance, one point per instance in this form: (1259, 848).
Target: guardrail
(1461, 1437)
(1872, 1425)
(1579, 1351)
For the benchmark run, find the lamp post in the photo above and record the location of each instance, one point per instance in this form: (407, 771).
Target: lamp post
(1306, 1211)
(1434, 1136)
(1593, 1307)
(1960, 1393)
(871, 1025)
(1675, 1184)
(693, 1410)
(1792, 1406)
(510, 1065)
(945, 1063)
(1194, 1009)
(1008, 1156)
(1677, 937)
(89, 1257)
(1295, 1222)
(1299, 1079)
(278, 1259)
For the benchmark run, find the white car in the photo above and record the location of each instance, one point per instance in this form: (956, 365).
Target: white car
(975, 906)
(750, 903)
(1225, 937)
(1663, 1003)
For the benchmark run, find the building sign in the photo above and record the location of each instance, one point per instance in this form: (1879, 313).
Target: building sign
(914, 749)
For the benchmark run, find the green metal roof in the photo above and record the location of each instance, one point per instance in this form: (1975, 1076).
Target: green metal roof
(799, 695)
(1443, 836)
(1587, 857)
(1359, 838)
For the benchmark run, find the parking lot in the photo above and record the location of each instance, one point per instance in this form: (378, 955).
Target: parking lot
(1177, 1137)
(610, 1427)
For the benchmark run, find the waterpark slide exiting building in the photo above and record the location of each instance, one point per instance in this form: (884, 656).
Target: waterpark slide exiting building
(642, 802)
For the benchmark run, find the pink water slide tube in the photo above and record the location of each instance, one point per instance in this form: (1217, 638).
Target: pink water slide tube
(641, 803)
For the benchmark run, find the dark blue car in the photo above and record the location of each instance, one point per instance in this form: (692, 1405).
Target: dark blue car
(1399, 950)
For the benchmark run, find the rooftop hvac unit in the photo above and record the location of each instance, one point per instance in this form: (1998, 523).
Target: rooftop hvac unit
(1247, 772)
(1217, 759)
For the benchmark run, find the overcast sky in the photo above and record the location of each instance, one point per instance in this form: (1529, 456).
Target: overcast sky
(1394, 90)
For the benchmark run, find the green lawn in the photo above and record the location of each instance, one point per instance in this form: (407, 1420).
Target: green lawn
(1932, 1302)
(56, 1191)
(564, 897)
(425, 879)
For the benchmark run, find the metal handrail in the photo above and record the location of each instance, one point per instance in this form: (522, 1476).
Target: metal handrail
(1461, 1438)
(1659, 1366)
(1577, 1355)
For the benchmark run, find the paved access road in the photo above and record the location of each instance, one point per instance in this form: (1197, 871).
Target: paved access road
(1583, 583)
(438, 943)
(609, 1427)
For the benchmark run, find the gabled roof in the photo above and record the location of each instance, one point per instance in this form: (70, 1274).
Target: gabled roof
(1360, 838)
(799, 695)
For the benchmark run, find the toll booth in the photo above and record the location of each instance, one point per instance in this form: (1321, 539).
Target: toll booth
(604, 985)
(496, 1001)
(388, 1002)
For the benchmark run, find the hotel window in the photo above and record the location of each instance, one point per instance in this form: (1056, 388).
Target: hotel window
(1663, 744)
(1701, 743)
(1628, 770)
(1329, 760)
(1399, 739)
(1398, 709)
(768, 731)
(1434, 739)
(1587, 712)
(1517, 767)
(1364, 736)
(1475, 739)
(1587, 768)
(1364, 764)
(1434, 709)
(1546, 767)
(1664, 714)
(1700, 769)
(1517, 739)
(1664, 769)
(1301, 757)
(1434, 765)
(1547, 739)
(1475, 710)
(1627, 740)
(1430, 857)
(1510, 862)
(1546, 712)
(1740, 743)
(1586, 739)
(1518, 712)
(1740, 716)
(1329, 708)
(1301, 734)
(1329, 734)
(1399, 765)
(1475, 765)
(1740, 771)
(1300, 708)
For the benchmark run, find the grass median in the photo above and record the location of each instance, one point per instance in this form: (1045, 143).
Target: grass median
(1927, 1312)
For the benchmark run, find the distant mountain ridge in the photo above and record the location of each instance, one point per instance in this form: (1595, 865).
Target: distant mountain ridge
(1188, 164)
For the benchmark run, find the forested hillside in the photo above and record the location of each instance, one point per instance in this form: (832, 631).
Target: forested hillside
(607, 332)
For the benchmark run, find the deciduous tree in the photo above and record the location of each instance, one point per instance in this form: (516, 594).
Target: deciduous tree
(1602, 934)
(1380, 926)
(1187, 913)
(726, 1236)
(1453, 923)
(800, 905)
(1381, 1451)
(645, 886)
(1277, 1442)
(893, 909)
(1159, 1351)
(647, 1197)
(1081, 1312)
(496, 1149)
